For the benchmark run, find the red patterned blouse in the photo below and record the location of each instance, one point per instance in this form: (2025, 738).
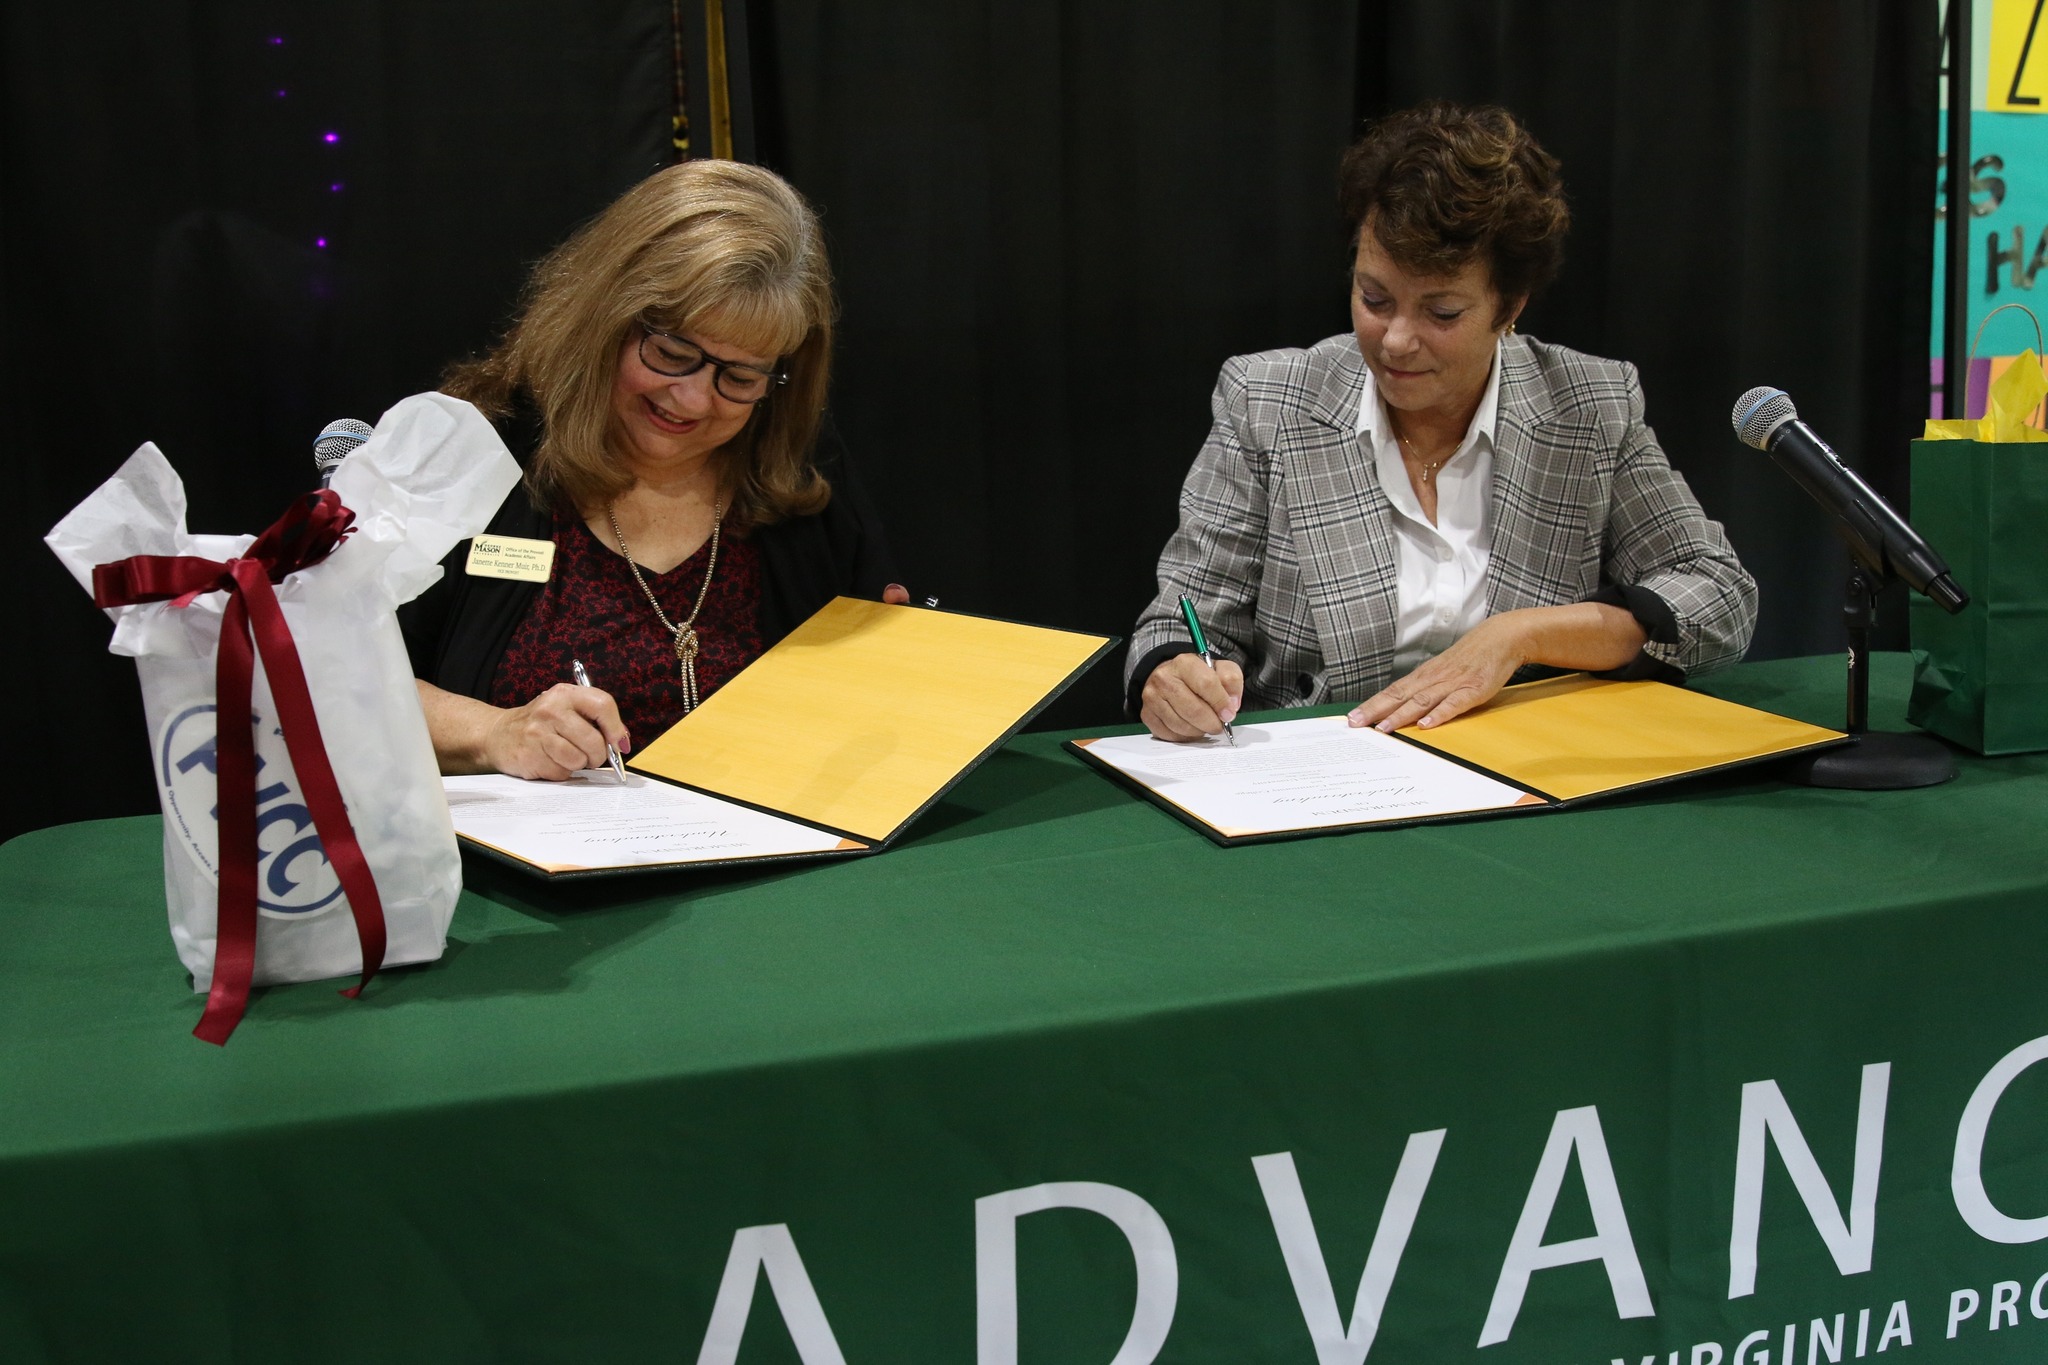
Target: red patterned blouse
(591, 609)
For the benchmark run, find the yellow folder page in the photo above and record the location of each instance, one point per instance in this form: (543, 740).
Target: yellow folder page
(1579, 736)
(866, 712)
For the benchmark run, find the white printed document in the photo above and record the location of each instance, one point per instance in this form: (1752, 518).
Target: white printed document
(1297, 775)
(1544, 745)
(591, 823)
(830, 744)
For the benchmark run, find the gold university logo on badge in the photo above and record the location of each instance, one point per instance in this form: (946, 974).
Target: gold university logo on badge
(528, 561)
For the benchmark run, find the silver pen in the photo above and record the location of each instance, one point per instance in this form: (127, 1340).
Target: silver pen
(583, 680)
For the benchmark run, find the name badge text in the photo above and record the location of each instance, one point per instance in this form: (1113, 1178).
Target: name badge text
(528, 561)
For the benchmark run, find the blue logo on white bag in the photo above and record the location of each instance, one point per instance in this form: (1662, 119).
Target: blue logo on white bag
(293, 877)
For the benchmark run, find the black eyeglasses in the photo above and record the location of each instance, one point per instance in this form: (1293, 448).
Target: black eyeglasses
(666, 354)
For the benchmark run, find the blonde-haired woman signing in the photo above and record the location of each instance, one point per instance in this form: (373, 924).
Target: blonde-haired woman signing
(664, 388)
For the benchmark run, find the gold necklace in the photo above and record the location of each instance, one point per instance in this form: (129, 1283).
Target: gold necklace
(686, 633)
(1429, 468)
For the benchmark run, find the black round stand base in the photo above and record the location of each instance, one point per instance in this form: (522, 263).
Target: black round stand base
(1877, 761)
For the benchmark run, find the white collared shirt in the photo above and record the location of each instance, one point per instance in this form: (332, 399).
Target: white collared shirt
(1440, 572)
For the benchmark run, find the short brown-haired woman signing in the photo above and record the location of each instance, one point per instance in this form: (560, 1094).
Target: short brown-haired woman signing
(663, 387)
(1413, 513)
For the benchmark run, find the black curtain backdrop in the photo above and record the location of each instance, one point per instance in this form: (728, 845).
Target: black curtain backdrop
(161, 278)
(1050, 222)
(1060, 218)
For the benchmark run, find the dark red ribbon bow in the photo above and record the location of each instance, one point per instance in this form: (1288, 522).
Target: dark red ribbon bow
(307, 533)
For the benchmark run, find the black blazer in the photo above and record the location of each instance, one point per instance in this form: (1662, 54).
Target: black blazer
(457, 630)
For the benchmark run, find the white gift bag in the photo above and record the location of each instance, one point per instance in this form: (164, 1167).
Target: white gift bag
(432, 474)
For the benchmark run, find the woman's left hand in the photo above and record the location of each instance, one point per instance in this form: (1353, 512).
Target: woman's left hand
(1584, 635)
(1462, 677)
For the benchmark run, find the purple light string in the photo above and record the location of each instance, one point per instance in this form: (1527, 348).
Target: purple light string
(330, 137)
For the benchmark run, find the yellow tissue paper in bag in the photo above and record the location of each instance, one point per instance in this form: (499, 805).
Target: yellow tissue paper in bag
(2014, 396)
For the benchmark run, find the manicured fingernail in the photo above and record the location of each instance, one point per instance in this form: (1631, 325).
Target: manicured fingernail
(1385, 727)
(1354, 720)
(1428, 721)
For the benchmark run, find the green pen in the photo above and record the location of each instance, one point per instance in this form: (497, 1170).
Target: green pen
(1187, 612)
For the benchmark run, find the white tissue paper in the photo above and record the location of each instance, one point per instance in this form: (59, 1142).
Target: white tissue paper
(431, 475)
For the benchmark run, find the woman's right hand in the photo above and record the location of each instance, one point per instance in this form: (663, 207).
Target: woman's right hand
(1185, 699)
(560, 732)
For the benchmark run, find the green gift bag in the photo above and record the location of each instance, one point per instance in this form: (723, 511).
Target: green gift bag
(1980, 678)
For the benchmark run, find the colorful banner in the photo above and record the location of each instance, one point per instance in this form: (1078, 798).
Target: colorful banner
(2016, 69)
(2008, 247)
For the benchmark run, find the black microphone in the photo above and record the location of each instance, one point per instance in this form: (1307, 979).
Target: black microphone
(336, 440)
(1878, 536)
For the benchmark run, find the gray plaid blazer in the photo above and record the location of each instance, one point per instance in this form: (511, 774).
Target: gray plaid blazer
(1287, 546)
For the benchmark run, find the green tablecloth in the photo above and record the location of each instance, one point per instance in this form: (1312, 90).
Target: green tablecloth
(543, 1147)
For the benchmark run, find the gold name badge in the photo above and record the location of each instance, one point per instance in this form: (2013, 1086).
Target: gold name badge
(528, 561)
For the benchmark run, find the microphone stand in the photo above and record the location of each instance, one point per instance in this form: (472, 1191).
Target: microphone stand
(1872, 760)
